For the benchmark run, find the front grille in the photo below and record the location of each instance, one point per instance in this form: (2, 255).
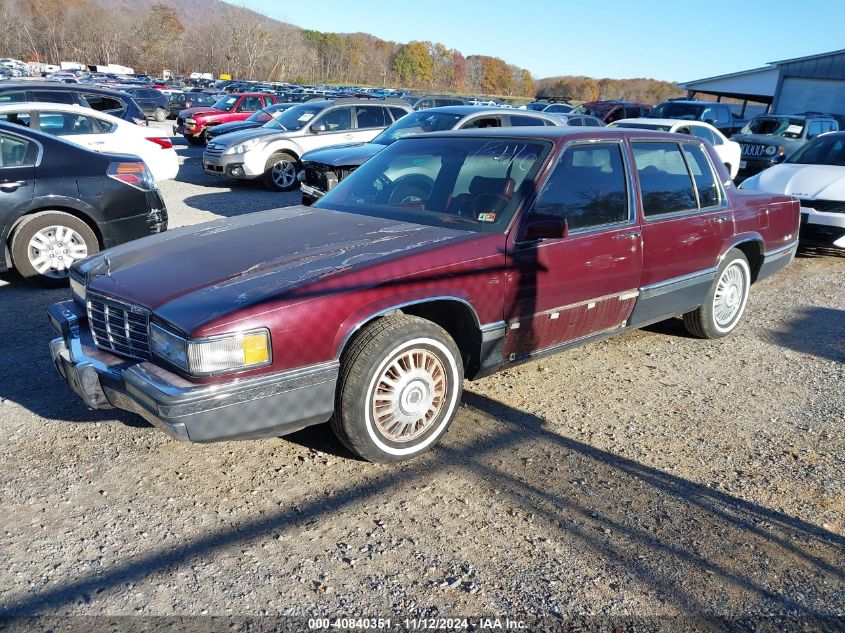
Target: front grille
(119, 328)
(752, 149)
(825, 206)
(213, 151)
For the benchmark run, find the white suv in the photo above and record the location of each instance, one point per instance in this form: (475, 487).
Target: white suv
(272, 151)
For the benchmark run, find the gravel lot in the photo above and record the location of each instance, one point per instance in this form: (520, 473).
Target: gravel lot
(650, 474)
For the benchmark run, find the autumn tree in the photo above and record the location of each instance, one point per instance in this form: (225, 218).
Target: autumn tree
(157, 33)
(413, 64)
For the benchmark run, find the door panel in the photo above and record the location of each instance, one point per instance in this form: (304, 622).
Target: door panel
(564, 289)
(17, 185)
(573, 287)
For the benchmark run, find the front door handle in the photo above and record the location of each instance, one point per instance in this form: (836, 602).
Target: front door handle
(722, 219)
(348, 137)
(632, 235)
(9, 187)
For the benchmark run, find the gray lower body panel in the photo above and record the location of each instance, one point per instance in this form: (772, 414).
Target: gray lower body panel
(661, 301)
(265, 406)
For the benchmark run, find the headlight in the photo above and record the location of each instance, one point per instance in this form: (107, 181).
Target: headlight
(169, 346)
(242, 148)
(771, 150)
(77, 288)
(219, 354)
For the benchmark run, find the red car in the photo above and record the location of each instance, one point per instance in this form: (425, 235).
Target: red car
(446, 256)
(193, 122)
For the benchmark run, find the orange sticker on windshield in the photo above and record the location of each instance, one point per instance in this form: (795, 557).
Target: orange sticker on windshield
(486, 217)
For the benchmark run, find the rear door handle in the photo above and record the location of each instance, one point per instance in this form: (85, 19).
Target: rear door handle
(632, 235)
(722, 219)
(9, 187)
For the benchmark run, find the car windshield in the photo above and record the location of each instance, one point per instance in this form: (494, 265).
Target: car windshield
(294, 118)
(641, 126)
(417, 123)
(782, 126)
(471, 184)
(825, 150)
(226, 103)
(674, 110)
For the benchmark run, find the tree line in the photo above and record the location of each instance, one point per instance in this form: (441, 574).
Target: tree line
(251, 46)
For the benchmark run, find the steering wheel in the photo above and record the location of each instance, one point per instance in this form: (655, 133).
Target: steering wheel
(488, 203)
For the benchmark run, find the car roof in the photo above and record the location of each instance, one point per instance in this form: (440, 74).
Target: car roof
(550, 133)
(466, 110)
(45, 106)
(797, 115)
(56, 85)
(670, 122)
(694, 102)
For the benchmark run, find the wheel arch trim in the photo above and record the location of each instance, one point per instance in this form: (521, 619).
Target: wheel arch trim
(371, 316)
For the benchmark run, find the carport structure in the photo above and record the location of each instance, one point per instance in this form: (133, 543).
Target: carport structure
(814, 83)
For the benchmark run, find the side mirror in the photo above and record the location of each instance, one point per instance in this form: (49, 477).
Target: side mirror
(710, 121)
(545, 227)
(316, 129)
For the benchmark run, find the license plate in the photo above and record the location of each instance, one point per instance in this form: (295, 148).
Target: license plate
(743, 164)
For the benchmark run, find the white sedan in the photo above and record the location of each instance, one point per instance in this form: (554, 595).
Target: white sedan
(98, 131)
(815, 174)
(729, 151)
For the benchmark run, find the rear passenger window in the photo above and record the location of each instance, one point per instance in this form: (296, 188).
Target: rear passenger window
(13, 97)
(103, 103)
(371, 116)
(53, 96)
(483, 122)
(16, 152)
(520, 121)
(665, 181)
(397, 113)
(17, 118)
(587, 188)
(702, 175)
(702, 132)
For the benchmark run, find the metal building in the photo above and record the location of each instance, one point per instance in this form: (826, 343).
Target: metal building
(815, 83)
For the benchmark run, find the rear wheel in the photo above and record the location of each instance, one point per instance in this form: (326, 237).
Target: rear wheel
(725, 303)
(46, 244)
(160, 115)
(280, 172)
(399, 387)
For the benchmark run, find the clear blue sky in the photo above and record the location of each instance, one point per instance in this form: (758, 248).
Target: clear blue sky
(673, 40)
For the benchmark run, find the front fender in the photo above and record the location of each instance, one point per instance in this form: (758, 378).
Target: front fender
(364, 314)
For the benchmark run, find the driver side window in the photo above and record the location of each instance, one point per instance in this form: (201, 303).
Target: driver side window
(250, 104)
(587, 188)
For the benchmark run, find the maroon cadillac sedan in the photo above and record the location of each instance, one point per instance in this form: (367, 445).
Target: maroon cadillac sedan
(446, 256)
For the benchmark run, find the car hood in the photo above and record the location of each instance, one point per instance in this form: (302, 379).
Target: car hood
(826, 182)
(239, 136)
(200, 110)
(234, 126)
(195, 275)
(766, 139)
(352, 155)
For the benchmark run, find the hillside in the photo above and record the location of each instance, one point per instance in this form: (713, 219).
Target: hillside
(194, 11)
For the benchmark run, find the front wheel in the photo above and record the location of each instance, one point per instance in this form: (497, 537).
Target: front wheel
(280, 172)
(725, 303)
(399, 387)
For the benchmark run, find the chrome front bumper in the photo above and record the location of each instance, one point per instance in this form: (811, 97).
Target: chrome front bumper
(264, 406)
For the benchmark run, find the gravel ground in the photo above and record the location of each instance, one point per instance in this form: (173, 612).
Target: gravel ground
(647, 475)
